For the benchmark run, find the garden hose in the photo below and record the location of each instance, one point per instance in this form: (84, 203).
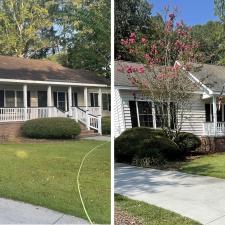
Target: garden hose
(78, 175)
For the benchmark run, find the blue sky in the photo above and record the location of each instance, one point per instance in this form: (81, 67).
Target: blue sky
(191, 11)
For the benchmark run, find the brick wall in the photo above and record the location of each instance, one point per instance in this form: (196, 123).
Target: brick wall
(10, 130)
(213, 144)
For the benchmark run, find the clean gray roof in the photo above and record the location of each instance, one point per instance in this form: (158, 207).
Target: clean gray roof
(121, 78)
(45, 70)
(212, 76)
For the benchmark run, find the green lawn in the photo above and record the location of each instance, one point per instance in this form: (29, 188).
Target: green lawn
(149, 214)
(210, 165)
(45, 174)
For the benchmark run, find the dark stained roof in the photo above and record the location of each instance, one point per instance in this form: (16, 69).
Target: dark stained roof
(44, 70)
(212, 76)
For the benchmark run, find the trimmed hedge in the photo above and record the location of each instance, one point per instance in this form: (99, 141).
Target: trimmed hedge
(187, 142)
(130, 143)
(106, 125)
(51, 128)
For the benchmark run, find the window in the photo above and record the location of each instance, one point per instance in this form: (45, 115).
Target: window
(1, 98)
(106, 102)
(9, 98)
(162, 116)
(94, 99)
(19, 99)
(62, 101)
(145, 114)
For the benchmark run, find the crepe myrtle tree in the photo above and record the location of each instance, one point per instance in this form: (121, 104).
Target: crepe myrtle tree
(163, 77)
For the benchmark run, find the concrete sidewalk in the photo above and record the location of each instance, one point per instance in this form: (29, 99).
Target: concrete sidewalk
(99, 138)
(14, 212)
(197, 197)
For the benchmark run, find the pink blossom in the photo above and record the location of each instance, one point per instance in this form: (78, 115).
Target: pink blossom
(143, 40)
(124, 42)
(141, 69)
(133, 35)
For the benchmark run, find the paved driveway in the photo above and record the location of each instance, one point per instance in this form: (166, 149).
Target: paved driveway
(13, 212)
(197, 197)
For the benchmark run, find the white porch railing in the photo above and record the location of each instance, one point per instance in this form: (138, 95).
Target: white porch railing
(209, 129)
(86, 118)
(95, 111)
(21, 114)
(12, 114)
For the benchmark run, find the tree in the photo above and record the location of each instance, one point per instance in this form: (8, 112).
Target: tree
(90, 44)
(130, 15)
(22, 24)
(162, 78)
(208, 37)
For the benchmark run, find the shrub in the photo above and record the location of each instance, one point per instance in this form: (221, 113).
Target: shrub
(159, 147)
(130, 141)
(106, 125)
(51, 128)
(187, 142)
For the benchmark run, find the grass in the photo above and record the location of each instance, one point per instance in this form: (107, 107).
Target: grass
(210, 165)
(45, 174)
(149, 214)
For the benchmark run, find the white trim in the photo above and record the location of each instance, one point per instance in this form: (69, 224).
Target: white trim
(51, 82)
(195, 79)
(137, 110)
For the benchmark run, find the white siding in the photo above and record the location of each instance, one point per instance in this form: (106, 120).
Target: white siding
(119, 126)
(193, 118)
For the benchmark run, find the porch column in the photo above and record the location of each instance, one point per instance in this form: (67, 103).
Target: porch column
(49, 101)
(100, 101)
(214, 115)
(25, 101)
(86, 98)
(70, 100)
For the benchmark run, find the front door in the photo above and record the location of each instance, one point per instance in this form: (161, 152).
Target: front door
(42, 98)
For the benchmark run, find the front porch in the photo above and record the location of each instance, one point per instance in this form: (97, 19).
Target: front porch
(86, 105)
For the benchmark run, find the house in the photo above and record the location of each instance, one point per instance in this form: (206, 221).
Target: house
(204, 119)
(31, 89)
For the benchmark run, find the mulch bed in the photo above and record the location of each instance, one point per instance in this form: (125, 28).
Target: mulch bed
(123, 218)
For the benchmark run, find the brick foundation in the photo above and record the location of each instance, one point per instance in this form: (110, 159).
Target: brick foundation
(213, 144)
(10, 130)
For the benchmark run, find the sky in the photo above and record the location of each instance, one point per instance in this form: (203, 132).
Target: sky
(192, 12)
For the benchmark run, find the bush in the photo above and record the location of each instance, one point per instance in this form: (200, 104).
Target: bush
(130, 142)
(187, 142)
(106, 125)
(51, 128)
(159, 147)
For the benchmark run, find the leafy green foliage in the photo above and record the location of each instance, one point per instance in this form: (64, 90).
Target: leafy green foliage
(136, 144)
(90, 48)
(208, 37)
(106, 125)
(21, 26)
(187, 142)
(134, 16)
(51, 128)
